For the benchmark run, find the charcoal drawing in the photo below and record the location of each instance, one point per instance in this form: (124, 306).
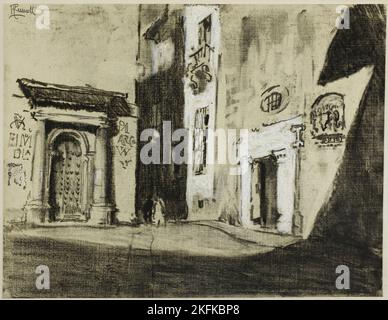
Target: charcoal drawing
(186, 150)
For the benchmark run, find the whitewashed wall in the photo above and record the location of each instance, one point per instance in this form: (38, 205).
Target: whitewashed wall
(124, 171)
(200, 185)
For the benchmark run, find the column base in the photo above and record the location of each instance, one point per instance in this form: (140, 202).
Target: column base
(297, 225)
(284, 226)
(37, 212)
(101, 214)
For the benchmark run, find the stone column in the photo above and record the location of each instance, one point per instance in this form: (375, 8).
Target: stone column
(37, 208)
(84, 183)
(298, 130)
(285, 189)
(102, 211)
(246, 175)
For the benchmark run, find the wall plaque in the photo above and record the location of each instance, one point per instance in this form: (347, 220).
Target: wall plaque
(327, 118)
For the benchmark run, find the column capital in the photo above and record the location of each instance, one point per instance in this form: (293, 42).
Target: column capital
(298, 130)
(104, 124)
(280, 155)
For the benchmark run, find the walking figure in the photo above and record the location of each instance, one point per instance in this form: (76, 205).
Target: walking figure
(147, 210)
(159, 211)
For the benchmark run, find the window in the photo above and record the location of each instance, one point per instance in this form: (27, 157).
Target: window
(201, 123)
(275, 99)
(272, 102)
(198, 69)
(204, 31)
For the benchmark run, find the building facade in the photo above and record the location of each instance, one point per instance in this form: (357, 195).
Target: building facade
(255, 70)
(160, 97)
(73, 152)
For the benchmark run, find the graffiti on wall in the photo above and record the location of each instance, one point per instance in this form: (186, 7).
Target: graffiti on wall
(17, 175)
(20, 139)
(18, 122)
(20, 148)
(198, 69)
(125, 143)
(327, 118)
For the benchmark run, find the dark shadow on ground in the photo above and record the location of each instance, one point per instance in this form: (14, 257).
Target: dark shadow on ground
(87, 270)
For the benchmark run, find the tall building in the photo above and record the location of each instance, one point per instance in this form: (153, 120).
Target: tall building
(160, 97)
(255, 70)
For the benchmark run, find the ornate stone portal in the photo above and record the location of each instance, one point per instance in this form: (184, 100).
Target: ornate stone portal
(276, 188)
(72, 160)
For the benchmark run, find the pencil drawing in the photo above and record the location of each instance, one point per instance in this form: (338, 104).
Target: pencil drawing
(193, 150)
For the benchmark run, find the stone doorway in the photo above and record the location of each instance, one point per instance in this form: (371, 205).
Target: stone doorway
(264, 192)
(269, 180)
(65, 185)
(72, 165)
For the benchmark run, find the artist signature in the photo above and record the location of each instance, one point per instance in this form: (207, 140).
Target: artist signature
(17, 12)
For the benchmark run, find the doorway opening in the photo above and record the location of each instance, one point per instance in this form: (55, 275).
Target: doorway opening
(65, 179)
(264, 210)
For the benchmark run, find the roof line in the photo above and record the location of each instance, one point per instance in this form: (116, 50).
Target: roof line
(79, 89)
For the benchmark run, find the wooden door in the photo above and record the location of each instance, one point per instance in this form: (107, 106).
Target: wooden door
(65, 180)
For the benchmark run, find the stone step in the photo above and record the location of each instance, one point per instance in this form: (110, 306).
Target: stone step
(73, 217)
